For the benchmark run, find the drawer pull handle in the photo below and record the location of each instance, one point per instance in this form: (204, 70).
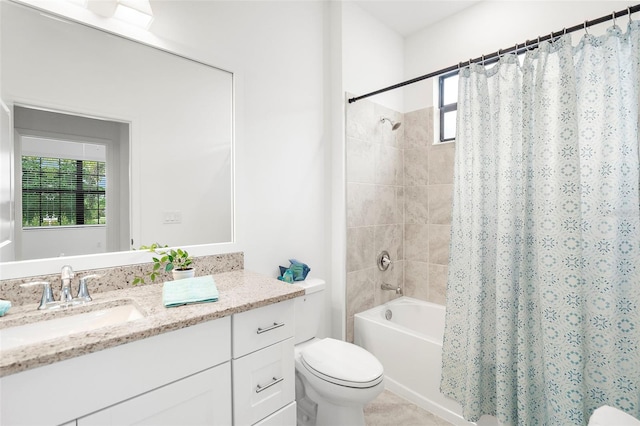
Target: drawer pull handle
(265, 387)
(273, 327)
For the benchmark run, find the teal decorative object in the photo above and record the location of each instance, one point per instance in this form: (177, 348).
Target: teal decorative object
(298, 270)
(4, 306)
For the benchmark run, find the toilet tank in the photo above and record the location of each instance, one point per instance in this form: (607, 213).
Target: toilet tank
(309, 309)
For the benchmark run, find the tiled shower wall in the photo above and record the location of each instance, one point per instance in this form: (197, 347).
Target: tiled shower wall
(399, 189)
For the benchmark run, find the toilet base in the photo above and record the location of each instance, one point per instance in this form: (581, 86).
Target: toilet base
(330, 415)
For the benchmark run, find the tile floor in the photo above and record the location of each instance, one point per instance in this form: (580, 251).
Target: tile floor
(389, 409)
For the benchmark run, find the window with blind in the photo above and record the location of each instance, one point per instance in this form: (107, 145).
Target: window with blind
(63, 192)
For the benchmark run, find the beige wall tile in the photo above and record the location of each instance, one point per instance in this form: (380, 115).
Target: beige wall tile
(441, 163)
(350, 329)
(389, 168)
(439, 237)
(416, 242)
(416, 167)
(437, 283)
(386, 208)
(400, 197)
(391, 239)
(387, 136)
(360, 248)
(416, 205)
(416, 279)
(360, 161)
(362, 123)
(360, 291)
(393, 276)
(418, 132)
(440, 197)
(361, 204)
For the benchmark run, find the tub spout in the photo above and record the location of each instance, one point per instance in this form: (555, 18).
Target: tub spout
(389, 287)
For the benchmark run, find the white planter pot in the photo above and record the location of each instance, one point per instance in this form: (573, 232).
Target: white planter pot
(179, 274)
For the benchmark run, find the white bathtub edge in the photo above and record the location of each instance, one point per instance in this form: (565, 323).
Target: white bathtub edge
(436, 409)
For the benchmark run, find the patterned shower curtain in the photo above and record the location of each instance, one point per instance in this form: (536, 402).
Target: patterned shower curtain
(543, 295)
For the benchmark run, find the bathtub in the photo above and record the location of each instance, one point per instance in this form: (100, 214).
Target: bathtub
(409, 346)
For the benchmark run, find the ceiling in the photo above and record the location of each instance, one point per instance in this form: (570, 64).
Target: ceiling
(407, 17)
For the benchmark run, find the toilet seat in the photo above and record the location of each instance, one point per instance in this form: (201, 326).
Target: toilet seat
(342, 363)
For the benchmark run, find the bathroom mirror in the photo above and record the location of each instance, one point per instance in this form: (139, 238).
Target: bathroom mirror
(175, 116)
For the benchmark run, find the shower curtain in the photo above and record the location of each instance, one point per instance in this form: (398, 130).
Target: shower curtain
(543, 294)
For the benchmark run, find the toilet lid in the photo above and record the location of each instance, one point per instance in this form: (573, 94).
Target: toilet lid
(342, 363)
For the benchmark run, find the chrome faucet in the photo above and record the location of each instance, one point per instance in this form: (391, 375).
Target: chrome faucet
(66, 275)
(386, 286)
(66, 299)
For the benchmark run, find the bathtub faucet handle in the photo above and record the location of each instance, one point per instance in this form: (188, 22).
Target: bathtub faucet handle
(384, 260)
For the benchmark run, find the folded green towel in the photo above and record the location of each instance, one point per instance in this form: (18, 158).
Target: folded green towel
(189, 290)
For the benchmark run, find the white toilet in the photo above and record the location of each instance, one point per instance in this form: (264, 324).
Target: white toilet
(334, 379)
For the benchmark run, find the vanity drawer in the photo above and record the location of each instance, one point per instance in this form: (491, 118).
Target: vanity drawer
(258, 328)
(263, 382)
(284, 417)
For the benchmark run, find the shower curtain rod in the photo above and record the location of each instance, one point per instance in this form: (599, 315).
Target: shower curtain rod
(518, 48)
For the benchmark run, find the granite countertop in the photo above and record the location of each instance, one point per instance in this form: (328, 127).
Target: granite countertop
(239, 291)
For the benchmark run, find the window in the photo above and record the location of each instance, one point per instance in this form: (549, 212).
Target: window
(448, 105)
(62, 192)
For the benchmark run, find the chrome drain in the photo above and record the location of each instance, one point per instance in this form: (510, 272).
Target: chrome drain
(388, 314)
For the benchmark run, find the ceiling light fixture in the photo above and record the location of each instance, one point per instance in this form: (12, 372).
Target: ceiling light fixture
(136, 12)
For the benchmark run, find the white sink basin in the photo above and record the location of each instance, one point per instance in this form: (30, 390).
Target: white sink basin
(35, 332)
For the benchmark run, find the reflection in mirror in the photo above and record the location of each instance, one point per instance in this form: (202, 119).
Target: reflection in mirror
(63, 202)
(166, 170)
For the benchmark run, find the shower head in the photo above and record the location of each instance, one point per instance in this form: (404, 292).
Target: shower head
(394, 124)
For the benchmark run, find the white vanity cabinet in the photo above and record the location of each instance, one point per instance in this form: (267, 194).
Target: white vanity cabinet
(201, 399)
(155, 378)
(263, 366)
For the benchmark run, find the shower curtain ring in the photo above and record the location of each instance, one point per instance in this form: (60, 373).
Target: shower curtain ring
(613, 16)
(482, 59)
(564, 31)
(629, 13)
(585, 27)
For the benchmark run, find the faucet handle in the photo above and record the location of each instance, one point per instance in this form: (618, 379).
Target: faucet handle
(47, 294)
(83, 291)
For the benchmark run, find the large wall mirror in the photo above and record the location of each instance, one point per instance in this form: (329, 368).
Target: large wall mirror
(108, 144)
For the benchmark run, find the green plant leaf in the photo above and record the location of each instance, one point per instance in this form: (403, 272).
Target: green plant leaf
(169, 267)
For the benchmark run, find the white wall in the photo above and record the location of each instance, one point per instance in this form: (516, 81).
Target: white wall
(276, 51)
(372, 56)
(486, 27)
(38, 243)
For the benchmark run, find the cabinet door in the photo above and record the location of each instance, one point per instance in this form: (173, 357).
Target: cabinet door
(201, 399)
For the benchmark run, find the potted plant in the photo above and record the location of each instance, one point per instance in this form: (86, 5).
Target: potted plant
(174, 260)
